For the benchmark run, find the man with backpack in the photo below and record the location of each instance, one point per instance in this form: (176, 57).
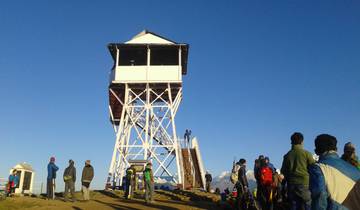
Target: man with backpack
(69, 179)
(241, 184)
(295, 169)
(265, 185)
(130, 182)
(334, 183)
(257, 172)
(149, 183)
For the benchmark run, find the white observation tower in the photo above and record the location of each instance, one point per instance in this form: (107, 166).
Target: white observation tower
(145, 92)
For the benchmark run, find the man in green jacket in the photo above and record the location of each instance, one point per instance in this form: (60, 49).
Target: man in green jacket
(295, 169)
(149, 183)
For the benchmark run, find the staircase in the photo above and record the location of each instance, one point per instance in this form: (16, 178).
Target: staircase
(192, 174)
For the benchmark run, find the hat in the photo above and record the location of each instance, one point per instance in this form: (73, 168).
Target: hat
(87, 162)
(325, 143)
(52, 159)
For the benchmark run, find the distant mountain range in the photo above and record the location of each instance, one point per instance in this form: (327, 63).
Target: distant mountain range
(223, 181)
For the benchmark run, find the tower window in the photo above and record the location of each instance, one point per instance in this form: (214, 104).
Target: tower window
(168, 55)
(133, 56)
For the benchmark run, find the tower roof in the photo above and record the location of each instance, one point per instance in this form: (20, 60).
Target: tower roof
(24, 166)
(148, 37)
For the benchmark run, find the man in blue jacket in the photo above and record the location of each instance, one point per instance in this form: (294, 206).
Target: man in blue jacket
(334, 183)
(51, 168)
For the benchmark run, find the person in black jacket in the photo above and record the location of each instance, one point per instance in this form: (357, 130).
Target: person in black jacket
(242, 175)
(208, 179)
(242, 183)
(69, 179)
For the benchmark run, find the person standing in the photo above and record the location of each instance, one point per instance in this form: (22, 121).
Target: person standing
(13, 182)
(295, 169)
(208, 179)
(334, 183)
(149, 183)
(69, 179)
(257, 173)
(242, 183)
(187, 137)
(86, 178)
(266, 184)
(130, 182)
(350, 155)
(50, 184)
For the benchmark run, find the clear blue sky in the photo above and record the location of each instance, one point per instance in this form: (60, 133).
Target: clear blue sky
(258, 71)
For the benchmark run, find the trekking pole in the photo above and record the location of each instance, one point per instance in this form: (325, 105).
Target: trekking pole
(53, 189)
(129, 193)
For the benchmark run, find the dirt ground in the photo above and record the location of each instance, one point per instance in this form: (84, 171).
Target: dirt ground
(103, 200)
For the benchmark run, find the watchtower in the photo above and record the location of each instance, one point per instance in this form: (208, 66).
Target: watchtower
(145, 92)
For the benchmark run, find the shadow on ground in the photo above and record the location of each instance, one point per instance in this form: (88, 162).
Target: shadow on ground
(193, 199)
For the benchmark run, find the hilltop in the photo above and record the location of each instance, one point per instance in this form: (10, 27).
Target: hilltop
(104, 200)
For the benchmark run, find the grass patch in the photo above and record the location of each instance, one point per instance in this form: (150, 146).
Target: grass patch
(9, 204)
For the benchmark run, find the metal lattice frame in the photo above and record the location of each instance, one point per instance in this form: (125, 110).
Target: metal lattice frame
(147, 131)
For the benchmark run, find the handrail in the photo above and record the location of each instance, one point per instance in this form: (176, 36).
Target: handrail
(195, 145)
(191, 165)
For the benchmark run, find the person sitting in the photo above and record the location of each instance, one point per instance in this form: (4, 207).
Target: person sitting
(13, 183)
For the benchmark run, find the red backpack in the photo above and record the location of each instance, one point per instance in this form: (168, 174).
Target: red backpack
(266, 176)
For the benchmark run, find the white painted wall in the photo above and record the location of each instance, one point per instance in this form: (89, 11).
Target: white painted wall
(146, 74)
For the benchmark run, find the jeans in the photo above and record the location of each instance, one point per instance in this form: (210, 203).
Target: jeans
(208, 186)
(299, 197)
(130, 187)
(265, 197)
(69, 186)
(50, 186)
(149, 191)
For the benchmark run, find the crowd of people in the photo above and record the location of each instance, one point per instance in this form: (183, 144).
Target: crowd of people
(69, 178)
(302, 183)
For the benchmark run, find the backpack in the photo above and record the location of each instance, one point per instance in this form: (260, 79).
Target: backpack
(266, 176)
(234, 173)
(129, 173)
